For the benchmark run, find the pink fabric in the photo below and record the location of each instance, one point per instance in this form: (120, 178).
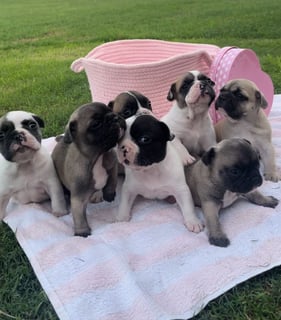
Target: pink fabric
(151, 267)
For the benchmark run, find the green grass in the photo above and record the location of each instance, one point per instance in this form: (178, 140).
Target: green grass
(38, 42)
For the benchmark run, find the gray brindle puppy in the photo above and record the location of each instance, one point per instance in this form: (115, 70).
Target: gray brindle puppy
(224, 173)
(85, 159)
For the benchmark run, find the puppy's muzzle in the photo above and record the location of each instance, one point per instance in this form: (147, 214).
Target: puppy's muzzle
(126, 152)
(222, 99)
(19, 137)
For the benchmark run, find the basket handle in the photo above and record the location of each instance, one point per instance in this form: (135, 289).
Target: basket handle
(77, 65)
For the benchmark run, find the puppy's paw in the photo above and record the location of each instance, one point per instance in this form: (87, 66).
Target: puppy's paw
(271, 202)
(96, 197)
(122, 218)
(219, 241)
(60, 212)
(189, 159)
(85, 232)
(194, 225)
(109, 196)
(272, 176)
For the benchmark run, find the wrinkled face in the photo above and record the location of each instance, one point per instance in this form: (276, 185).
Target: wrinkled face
(237, 165)
(94, 127)
(238, 98)
(144, 143)
(130, 103)
(193, 89)
(20, 135)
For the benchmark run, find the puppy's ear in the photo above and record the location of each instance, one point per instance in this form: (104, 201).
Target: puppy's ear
(110, 104)
(39, 121)
(247, 141)
(172, 92)
(166, 132)
(70, 132)
(260, 99)
(209, 156)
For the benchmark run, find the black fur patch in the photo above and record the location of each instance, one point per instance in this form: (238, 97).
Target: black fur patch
(151, 136)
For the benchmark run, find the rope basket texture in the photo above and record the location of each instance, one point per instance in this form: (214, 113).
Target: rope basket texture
(151, 66)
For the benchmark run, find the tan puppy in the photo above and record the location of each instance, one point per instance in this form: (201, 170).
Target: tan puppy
(225, 172)
(189, 117)
(241, 102)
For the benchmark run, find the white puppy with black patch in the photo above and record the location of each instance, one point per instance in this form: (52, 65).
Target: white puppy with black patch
(26, 168)
(189, 117)
(153, 169)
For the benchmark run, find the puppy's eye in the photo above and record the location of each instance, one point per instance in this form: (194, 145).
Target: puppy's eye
(2, 135)
(186, 85)
(32, 125)
(240, 96)
(235, 171)
(95, 124)
(126, 114)
(144, 140)
(210, 82)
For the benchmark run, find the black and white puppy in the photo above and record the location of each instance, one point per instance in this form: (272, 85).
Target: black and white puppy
(26, 168)
(153, 168)
(134, 103)
(189, 117)
(130, 103)
(86, 161)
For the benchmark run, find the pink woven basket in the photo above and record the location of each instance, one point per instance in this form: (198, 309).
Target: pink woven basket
(151, 66)
(148, 66)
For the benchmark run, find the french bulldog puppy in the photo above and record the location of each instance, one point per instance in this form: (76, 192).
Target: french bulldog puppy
(225, 172)
(189, 117)
(26, 169)
(85, 159)
(131, 103)
(153, 168)
(241, 102)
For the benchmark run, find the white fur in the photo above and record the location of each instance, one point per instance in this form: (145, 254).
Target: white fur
(194, 130)
(100, 175)
(159, 181)
(31, 181)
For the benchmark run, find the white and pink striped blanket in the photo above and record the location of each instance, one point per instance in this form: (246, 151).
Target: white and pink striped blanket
(151, 267)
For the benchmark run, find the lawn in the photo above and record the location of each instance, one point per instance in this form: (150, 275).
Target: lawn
(38, 42)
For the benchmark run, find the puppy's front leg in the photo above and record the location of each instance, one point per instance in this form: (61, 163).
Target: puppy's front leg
(3, 206)
(268, 159)
(109, 190)
(185, 156)
(185, 202)
(261, 200)
(126, 203)
(78, 209)
(56, 194)
(211, 212)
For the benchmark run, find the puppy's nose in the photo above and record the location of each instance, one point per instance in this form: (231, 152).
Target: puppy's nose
(202, 86)
(19, 137)
(112, 117)
(257, 180)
